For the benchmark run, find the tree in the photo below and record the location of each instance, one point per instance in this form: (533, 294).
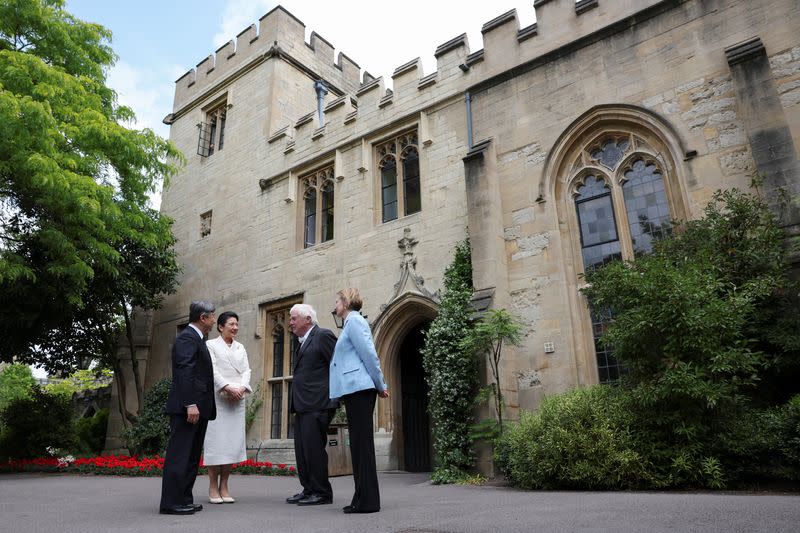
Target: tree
(16, 382)
(451, 372)
(74, 185)
(486, 338)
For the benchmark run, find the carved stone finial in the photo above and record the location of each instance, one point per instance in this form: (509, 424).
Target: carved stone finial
(409, 280)
(407, 243)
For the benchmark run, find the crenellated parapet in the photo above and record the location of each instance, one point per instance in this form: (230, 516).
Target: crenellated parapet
(507, 48)
(278, 33)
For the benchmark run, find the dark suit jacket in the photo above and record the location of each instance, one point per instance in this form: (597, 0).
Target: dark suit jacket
(311, 373)
(192, 376)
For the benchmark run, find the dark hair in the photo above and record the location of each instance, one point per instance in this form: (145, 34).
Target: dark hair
(198, 308)
(222, 318)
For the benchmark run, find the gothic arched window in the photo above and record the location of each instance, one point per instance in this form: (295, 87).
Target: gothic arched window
(399, 176)
(621, 207)
(317, 193)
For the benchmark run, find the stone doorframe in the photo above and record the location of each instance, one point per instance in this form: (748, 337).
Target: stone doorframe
(389, 330)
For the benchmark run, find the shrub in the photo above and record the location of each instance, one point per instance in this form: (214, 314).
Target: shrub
(764, 444)
(150, 434)
(707, 329)
(578, 440)
(91, 432)
(36, 423)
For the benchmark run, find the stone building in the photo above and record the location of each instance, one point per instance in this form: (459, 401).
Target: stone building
(556, 146)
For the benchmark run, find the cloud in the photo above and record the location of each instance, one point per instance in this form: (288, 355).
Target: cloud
(149, 93)
(238, 15)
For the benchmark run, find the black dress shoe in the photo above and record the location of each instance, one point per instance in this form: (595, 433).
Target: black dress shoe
(296, 498)
(314, 499)
(349, 509)
(177, 509)
(197, 506)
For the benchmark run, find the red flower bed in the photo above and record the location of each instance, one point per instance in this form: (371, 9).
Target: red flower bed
(125, 465)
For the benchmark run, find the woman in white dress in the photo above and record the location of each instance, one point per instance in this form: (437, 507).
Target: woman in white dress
(224, 444)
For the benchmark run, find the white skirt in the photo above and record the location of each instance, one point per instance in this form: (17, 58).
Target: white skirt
(225, 436)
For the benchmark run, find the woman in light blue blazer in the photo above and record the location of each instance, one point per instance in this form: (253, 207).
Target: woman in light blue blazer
(356, 379)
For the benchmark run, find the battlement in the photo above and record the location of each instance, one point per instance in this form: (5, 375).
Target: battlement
(506, 46)
(278, 32)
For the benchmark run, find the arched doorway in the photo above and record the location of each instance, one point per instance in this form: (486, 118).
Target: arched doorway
(398, 332)
(417, 447)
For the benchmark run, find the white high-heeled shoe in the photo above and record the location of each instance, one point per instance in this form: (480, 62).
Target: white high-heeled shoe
(215, 500)
(228, 499)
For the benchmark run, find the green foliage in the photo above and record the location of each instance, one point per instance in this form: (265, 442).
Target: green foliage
(33, 424)
(80, 380)
(150, 434)
(79, 243)
(707, 328)
(16, 382)
(764, 444)
(581, 439)
(451, 372)
(91, 432)
(254, 402)
(485, 340)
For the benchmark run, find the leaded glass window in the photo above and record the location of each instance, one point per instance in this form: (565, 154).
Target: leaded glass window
(610, 152)
(400, 185)
(318, 206)
(281, 353)
(389, 188)
(277, 410)
(646, 204)
(617, 172)
(411, 181)
(599, 240)
(277, 351)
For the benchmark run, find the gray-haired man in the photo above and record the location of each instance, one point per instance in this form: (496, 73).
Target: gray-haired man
(311, 405)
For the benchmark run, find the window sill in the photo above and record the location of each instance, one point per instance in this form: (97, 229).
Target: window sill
(317, 247)
(401, 220)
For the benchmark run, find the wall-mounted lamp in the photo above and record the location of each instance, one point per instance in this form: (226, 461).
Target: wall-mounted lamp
(339, 321)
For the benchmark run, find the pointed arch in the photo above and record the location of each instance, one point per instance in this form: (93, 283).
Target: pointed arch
(606, 141)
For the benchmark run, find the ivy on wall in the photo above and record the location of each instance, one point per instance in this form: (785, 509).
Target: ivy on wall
(452, 373)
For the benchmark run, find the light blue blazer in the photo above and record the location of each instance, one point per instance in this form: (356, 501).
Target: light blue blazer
(355, 364)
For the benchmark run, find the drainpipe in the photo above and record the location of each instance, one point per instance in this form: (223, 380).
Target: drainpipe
(468, 100)
(322, 90)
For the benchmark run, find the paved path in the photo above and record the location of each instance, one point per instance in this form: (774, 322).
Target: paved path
(43, 503)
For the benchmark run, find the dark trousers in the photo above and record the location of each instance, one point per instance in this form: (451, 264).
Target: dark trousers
(310, 438)
(181, 460)
(360, 406)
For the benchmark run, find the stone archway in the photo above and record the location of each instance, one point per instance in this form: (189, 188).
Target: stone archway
(396, 326)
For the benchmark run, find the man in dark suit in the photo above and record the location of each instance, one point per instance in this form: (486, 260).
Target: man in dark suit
(311, 405)
(190, 405)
